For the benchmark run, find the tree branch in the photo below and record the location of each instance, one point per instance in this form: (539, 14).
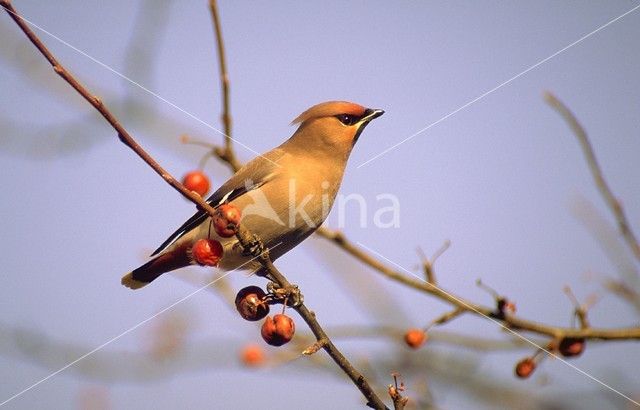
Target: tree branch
(246, 239)
(97, 103)
(509, 321)
(227, 153)
(596, 172)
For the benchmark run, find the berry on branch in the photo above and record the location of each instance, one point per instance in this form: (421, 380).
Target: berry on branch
(207, 252)
(278, 330)
(226, 220)
(525, 367)
(571, 346)
(251, 303)
(414, 338)
(196, 181)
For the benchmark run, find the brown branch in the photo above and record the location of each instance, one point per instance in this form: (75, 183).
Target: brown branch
(395, 392)
(227, 153)
(446, 317)
(449, 338)
(628, 286)
(97, 103)
(399, 401)
(509, 322)
(596, 172)
(247, 240)
(127, 139)
(427, 264)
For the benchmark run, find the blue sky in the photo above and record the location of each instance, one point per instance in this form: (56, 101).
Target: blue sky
(503, 179)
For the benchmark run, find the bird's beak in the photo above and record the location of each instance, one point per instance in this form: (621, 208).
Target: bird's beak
(371, 114)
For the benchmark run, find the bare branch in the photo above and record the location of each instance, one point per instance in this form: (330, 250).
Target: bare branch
(247, 240)
(509, 322)
(227, 154)
(596, 172)
(97, 103)
(446, 317)
(395, 392)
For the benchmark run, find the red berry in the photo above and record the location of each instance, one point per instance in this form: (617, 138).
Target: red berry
(196, 181)
(414, 338)
(226, 220)
(525, 367)
(571, 346)
(207, 252)
(251, 304)
(278, 330)
(252, 355)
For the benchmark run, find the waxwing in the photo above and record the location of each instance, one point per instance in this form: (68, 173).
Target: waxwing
(283, 195)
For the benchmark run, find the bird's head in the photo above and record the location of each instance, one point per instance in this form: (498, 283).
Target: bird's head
(333, 125)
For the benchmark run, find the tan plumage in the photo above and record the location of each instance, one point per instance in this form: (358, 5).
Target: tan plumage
(304, 173)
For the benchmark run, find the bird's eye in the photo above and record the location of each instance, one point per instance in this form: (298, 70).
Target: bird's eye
(347, 119)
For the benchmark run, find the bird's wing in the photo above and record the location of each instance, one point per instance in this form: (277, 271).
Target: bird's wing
(253, 175)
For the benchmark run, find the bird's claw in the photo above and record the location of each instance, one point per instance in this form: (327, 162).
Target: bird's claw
(254, 248)
(290, 295)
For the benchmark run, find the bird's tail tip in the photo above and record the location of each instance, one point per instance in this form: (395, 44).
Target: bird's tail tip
(131, 283)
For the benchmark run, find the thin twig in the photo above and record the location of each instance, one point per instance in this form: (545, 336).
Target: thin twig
(596, 172)
(127, 139)
(446, 317)
(427, 264)
(395, 392)
(227, 154)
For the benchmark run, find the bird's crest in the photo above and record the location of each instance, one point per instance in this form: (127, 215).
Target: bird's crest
(330, 108)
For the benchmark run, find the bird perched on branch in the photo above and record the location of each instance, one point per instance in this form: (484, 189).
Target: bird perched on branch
(284, 195)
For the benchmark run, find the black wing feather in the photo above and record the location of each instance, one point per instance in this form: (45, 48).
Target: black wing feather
(216, 199)
(259, 169)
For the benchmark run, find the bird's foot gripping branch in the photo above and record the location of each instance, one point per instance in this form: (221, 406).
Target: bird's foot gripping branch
(289, 295)
(254, 247)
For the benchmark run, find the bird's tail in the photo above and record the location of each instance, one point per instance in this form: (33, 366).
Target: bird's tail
(148, 272)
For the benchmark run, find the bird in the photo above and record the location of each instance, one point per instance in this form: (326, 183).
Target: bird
(284, 195)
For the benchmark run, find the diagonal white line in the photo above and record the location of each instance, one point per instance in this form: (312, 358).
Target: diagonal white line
(119, 74)
(498, 87)
(513, 332)
(129, 330)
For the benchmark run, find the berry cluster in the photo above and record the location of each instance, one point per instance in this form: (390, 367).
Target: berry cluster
(253, 304)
